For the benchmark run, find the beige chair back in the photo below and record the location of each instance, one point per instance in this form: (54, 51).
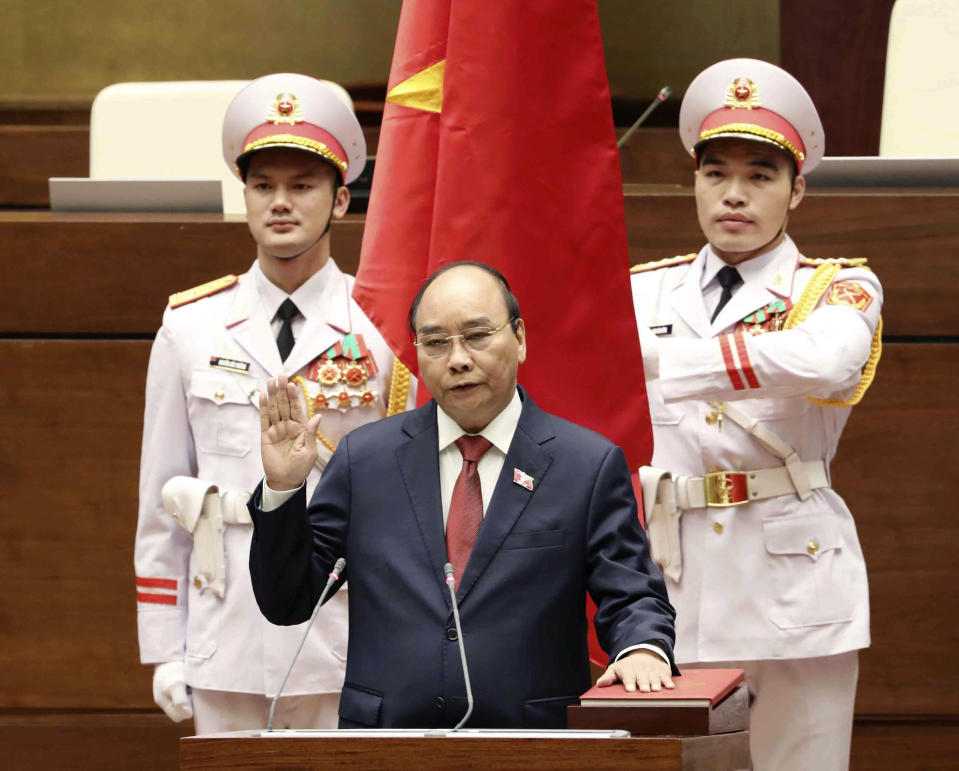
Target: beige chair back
(920, 111)
(169, 130)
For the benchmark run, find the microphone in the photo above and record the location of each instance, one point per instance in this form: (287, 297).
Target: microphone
(333, 578)
(451, 583)
(661, 97)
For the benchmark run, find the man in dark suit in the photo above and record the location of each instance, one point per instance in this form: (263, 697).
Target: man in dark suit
(533, 512)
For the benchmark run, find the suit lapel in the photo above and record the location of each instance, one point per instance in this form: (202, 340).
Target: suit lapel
(419, 465)
(510, 499)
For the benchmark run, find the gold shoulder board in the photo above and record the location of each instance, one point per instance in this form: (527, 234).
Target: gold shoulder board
(204, 290)
(845, 262)
(666, 263)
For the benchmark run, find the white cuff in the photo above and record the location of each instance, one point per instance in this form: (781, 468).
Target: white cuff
(646, 647)
(272, 499)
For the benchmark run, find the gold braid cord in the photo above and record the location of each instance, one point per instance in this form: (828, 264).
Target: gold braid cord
(821, 280)
(310, 411)
(399, 388)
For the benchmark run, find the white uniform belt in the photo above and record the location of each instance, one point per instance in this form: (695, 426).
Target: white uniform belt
(201, 508)
(732, 488)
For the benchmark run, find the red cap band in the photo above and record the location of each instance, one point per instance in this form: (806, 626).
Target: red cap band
(305, 136)
(759, 123)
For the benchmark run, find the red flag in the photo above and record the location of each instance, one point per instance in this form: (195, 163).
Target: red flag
(498, 146)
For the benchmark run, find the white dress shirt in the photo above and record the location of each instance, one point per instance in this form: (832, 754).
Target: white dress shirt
(309, 296)
(499, 432)
(748, 270)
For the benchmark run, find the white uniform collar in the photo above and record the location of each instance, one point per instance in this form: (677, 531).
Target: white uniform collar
(499, 431)
(765, 270)
(322, 297)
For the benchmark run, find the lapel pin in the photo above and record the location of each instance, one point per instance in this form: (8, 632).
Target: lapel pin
(522, 479)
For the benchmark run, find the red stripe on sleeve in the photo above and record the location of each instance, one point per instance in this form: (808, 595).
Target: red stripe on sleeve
(156, 583)
(157, 599)
(744, 361)
(731, 369)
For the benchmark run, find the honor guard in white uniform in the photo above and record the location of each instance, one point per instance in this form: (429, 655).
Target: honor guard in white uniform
(754, 355)
(295, 143)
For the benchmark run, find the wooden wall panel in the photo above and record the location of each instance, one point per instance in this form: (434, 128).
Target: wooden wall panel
(838, 52)
(91, 741)
(110, 274)
(72, 412)
(33, 154)
(656, 156)
(904, 745)
(896, 456)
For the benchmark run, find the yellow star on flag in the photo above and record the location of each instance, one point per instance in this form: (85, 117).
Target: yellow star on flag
(423, 91)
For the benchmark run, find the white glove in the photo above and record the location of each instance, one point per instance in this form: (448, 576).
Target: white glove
(650, 345)
(169, 691)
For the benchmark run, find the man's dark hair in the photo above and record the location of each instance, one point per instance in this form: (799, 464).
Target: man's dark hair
(512, 304)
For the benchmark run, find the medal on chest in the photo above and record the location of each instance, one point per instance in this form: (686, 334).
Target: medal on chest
(339, 377)
(769, 318)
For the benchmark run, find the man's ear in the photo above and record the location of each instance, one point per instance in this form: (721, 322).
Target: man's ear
(521, 338)
(341, 202)
(799, 190)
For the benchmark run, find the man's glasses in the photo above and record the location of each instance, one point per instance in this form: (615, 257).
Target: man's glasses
(474, 338)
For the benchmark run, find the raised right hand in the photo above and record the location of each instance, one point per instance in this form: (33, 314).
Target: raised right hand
(287, 439)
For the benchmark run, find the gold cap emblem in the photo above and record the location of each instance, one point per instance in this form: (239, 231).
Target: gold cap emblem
(742, 94)
(285, 109)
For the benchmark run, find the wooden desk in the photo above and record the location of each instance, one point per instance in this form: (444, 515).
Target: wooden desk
(723, 752)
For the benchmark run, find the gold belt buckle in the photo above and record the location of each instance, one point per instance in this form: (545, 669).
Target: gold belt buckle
(726, 488)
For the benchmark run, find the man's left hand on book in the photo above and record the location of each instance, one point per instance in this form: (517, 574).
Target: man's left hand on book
(639, 670)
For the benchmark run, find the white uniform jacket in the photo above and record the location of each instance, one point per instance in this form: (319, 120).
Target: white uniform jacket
(202, 420)
(781, 577)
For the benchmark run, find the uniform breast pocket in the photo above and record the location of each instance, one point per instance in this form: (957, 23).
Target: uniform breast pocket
(660, 413)
(223, 419)
(809, 570)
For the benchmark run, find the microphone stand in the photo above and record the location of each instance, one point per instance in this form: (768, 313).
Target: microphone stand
(333, 578)
(451, 584)
(661, 97)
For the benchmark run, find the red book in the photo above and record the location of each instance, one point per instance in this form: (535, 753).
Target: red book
(704, 701)
(695, 686)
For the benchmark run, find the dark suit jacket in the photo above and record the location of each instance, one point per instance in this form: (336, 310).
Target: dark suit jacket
(522, 596)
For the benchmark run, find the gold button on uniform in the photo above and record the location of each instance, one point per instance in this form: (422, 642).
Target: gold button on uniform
(813, 547)
(198, 582)
(218, 395)
(718, 527)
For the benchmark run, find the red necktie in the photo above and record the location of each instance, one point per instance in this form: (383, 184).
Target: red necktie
(466, 506)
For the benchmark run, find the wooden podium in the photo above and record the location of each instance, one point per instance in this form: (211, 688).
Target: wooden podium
(558, 750)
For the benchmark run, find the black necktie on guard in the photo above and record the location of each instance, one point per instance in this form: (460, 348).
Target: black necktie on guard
(284, 340)
(728, 278)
